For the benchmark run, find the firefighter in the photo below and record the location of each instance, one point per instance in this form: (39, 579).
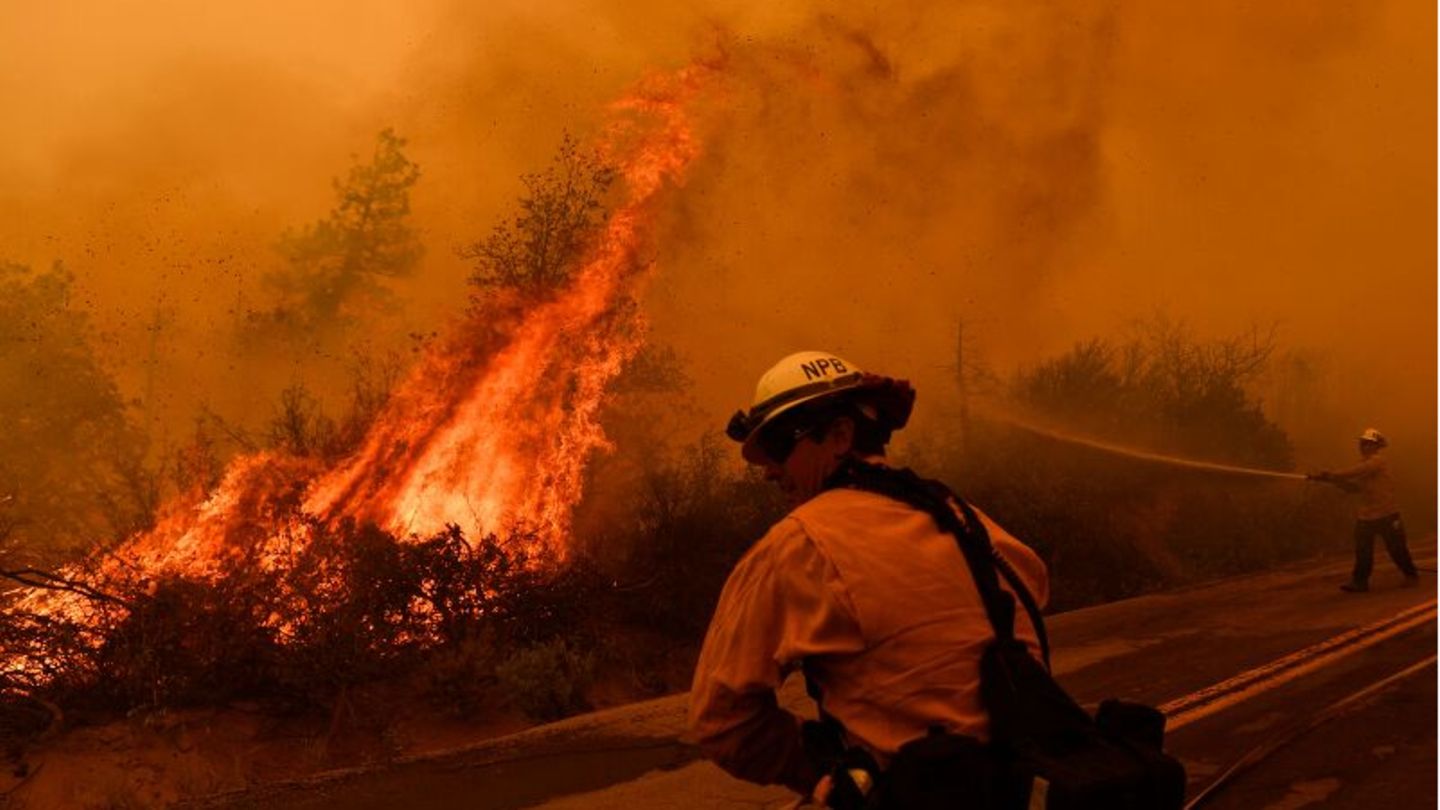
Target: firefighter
(862, 593)
(1378, 512)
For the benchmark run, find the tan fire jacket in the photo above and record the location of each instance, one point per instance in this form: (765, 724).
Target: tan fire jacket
(880, 603)
(1377, 488)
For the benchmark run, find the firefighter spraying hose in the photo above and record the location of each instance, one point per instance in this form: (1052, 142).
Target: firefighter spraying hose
(1377, 513)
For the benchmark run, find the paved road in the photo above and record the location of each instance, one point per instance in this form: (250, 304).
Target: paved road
(1379, 752)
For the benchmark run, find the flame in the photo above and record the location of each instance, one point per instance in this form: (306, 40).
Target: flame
(502, 441)
(492, 428)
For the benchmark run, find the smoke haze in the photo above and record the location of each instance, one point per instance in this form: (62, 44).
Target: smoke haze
(1047, 172)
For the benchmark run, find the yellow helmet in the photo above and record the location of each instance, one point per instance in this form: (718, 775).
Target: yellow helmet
(805, 377)
(1373, 436)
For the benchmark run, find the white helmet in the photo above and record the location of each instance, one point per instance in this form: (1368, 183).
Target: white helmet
(1373, 436)
(808, 376)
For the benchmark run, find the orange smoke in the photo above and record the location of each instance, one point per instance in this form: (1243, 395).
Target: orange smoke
(493, 427)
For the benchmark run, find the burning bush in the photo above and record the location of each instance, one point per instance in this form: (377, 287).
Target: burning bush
(352, 605)
(294, 574)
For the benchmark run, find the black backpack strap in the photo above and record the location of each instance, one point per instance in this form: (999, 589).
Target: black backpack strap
(982, 558)
(980, 536)
(1027, 600)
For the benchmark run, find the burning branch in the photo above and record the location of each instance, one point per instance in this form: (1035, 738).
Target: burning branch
(45, 580)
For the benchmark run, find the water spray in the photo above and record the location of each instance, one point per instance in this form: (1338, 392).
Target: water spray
(1143, 455)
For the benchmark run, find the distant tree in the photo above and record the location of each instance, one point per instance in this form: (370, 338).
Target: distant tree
(1165, 387)
(539, 250)
(1083, 380)
(72, 468)
(336, 264)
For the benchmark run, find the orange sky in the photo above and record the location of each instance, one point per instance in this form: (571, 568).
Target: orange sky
(1048, 171)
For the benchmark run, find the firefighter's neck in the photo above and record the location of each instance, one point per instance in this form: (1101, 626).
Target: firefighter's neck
(815, 458)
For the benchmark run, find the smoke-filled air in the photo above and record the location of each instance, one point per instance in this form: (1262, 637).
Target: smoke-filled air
(426, 318)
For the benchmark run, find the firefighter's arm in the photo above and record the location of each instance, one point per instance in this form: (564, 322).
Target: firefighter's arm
(1343, 484)
(1353, 475)
(1350, 478)
(779, 606)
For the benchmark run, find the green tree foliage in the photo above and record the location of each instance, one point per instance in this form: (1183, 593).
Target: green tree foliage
(538, 250)
(71, 463)
(335, 268)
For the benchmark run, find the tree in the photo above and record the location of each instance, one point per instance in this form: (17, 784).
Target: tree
(539, 250)
(71, 462)
(300, 426)
(1164, 387)
(338, 264)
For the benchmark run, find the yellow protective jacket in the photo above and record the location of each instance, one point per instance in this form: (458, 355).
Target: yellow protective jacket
(880, 604)
(1376, 489)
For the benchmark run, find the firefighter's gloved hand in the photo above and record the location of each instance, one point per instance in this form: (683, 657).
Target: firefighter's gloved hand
(817, 797)
(821, 795)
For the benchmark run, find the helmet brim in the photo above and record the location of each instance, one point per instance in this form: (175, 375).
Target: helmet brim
(895, 399)
(750, 448)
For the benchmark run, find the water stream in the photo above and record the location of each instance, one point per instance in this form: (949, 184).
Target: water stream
(1131, 452)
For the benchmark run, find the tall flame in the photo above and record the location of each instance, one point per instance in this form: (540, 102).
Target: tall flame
(502, 441)
(492, 428)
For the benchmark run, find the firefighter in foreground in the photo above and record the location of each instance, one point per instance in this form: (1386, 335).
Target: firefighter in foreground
(1378, 511)
(862, 591)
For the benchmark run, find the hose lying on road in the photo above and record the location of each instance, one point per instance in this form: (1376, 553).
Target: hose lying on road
(1260, 752)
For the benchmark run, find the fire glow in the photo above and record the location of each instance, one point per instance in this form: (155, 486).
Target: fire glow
(492, 428)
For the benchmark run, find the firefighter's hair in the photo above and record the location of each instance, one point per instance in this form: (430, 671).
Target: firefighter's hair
(871, 434)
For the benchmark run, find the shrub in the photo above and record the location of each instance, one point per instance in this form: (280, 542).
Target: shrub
(697, 514)
(456, 677)
(547, 680)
